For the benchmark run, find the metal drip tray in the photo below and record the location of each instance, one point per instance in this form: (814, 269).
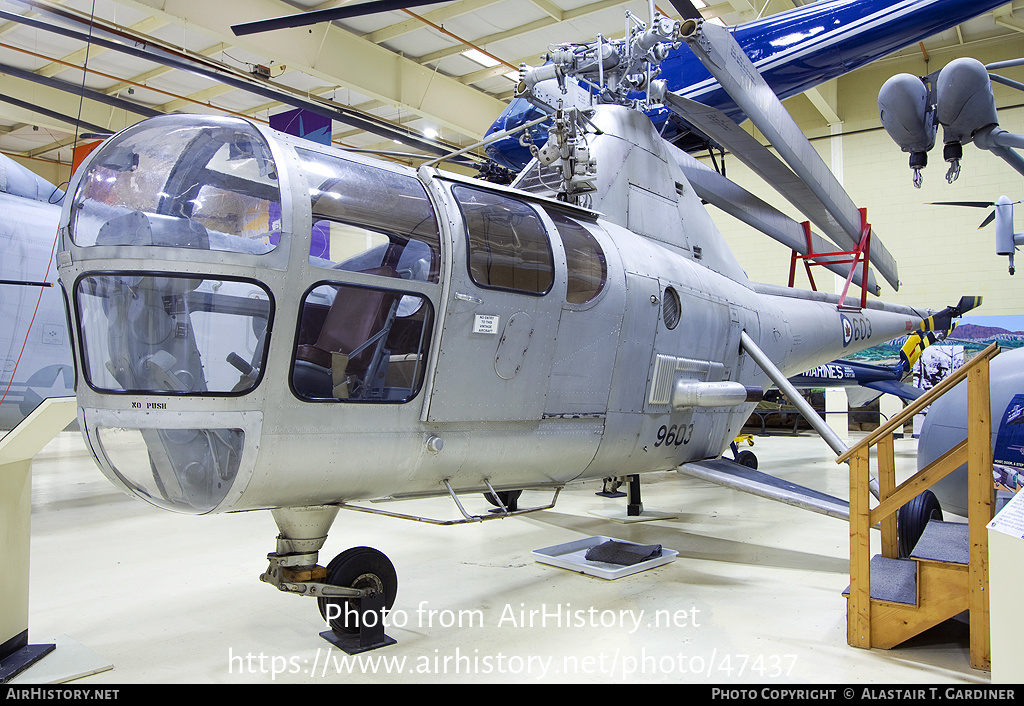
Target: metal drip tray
(572, 556)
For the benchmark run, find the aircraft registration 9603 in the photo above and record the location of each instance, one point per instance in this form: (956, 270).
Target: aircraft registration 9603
(241, 299)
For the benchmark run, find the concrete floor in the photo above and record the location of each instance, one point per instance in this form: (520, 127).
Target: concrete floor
(754, 595)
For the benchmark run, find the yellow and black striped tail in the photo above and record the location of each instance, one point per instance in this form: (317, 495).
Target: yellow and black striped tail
(943, 321)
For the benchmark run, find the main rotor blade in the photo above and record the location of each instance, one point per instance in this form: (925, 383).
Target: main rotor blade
(726, 61)
(748, 208)
(686, 9)
(302, 19)
(760, 159)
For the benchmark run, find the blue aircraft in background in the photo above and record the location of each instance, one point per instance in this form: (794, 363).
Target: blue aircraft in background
(866, 382)
(793, 50)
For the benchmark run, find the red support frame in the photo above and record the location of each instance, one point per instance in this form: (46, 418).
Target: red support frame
(858, 257)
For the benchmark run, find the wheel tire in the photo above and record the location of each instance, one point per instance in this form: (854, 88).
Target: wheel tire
(358, 567)
(509, 498)
(912, 518)
(747, 458)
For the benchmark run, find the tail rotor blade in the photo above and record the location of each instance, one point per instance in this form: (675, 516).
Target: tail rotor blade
(943, 320)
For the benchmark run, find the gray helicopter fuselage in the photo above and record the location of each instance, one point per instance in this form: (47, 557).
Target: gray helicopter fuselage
(263, 322)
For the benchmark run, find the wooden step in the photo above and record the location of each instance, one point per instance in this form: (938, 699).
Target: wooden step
(943, 541)
(941, 594)
(908, 596)
(892, 580)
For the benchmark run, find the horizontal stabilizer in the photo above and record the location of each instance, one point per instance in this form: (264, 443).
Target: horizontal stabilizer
(727, 62)
(893, 387)
(748, 208)
(738, 477)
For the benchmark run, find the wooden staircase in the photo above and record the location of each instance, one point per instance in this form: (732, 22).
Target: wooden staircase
(909, 596)
(890, 599)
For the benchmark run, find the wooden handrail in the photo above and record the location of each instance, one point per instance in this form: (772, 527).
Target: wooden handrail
(921, 402)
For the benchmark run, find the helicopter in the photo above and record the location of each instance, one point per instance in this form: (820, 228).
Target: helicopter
(264, 323)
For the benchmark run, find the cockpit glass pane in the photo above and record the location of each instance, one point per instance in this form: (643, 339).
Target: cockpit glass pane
(365, 217)
(361, 344)
(198, 183)
(185, 470)
(157, 333)
(507, 242)
(585, 261)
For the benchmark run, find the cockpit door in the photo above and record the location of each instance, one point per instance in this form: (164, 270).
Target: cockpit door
(501, 315)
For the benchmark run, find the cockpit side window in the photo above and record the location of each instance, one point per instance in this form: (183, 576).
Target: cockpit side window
(588, 269)
(368, 218)
(508, 245)
(361, 344)
(177, 182)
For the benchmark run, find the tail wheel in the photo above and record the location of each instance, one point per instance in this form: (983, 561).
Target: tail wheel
(359, 567)
(747, 458)
(912, 518)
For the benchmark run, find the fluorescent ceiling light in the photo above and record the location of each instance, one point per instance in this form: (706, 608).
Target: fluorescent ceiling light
(480, 58)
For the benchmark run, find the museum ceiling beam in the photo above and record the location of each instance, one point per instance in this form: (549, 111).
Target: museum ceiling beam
(337, 57)
(1005, 17)
(438, 16)
(58, 102)
(567, 15)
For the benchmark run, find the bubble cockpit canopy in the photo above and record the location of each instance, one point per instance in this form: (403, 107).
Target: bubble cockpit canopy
(153, 327)
(176, 181)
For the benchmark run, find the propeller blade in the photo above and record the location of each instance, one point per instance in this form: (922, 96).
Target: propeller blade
(917, 341)
(972, 204)
(763, 162)
(988, 219)
(303, 19)
(943, 320)
(686, 9)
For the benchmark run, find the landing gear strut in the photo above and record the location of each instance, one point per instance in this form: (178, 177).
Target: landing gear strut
(354, 592)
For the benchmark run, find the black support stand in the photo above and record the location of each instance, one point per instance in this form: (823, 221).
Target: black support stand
(633, 505)
(371, 632)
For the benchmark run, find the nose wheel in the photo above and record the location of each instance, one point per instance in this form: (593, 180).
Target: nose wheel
(357, 624)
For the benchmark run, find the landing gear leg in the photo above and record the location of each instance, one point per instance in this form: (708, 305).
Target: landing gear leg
(354, 592)
(634, 507)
